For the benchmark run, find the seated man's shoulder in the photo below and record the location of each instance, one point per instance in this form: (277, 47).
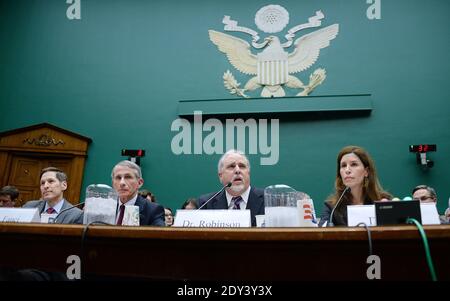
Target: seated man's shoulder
(204, 197)
(32, 204)
(154, 206)
(70, 208)
(258, 191)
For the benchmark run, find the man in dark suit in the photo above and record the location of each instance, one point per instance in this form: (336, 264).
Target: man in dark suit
(234, 168)
(126, 180)
(53, 183)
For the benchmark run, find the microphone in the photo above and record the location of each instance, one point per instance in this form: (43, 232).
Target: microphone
(223, 188)
(62, 211)
(330, 222)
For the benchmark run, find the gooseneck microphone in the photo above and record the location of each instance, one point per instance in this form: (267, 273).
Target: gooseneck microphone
(67, 209)
(330, 222)
(217, 193)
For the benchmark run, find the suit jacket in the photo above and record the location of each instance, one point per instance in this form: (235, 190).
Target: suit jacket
(150, 214)
(339, 219)
(255, 202)
(72, 216)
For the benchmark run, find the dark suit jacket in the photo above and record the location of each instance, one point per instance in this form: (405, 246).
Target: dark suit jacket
(72, 216)
(255, 202)
(150, 214)
(339, 219)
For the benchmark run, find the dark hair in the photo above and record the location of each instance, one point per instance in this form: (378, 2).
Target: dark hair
(431, 190)
(372, 190)
(12, 191)
(191, 201)
(145, 193)
(60, 175)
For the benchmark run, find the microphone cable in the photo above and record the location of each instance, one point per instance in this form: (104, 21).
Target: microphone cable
(369, 236)
(64, 210)
(83, 240)
(425, 245)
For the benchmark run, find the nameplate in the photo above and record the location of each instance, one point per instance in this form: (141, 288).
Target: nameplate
(19, 215)
(361, 214)
(366, 214)
(212, 218)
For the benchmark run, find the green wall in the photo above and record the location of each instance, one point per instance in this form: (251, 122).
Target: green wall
(117, 75)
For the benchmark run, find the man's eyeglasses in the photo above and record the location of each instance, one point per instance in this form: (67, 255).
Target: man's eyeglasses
(425, 198)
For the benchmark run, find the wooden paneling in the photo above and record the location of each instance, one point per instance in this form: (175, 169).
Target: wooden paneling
(24, 171)
(25, 152)
(287, 254)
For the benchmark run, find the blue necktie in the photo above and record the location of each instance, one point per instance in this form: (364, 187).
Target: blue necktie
(237, 200)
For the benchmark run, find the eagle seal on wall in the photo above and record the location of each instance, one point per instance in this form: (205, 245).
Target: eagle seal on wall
(273, 66)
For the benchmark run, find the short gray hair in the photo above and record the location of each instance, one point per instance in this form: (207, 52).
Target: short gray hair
(129, 164)
(229, 152)
(430, 190)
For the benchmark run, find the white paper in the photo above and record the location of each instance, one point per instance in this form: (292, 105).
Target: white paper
(45, 217)
(131, 216)
(260, 221)
(429, 214)
(361, 214)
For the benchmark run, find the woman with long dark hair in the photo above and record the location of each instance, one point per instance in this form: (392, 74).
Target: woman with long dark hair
(355, 172)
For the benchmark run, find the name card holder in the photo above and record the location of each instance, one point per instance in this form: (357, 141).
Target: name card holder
(19, 215)
(213, 218)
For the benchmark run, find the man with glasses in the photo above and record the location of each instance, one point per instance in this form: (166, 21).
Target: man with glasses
(427, 194)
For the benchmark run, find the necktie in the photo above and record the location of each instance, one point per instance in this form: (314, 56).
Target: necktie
(237, 200)
(122, 210)
(50, 210)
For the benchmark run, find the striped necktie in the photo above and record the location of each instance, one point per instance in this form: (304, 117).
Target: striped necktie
(237, 200)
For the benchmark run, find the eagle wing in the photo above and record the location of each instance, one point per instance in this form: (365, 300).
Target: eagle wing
(307, 48)
(237, 51)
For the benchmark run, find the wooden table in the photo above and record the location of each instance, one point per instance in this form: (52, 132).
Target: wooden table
(254, 254)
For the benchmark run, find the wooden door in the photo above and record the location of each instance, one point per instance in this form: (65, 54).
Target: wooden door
(26, 151)
(25, 171)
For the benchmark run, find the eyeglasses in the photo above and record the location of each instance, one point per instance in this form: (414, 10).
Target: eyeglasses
(426, 198)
